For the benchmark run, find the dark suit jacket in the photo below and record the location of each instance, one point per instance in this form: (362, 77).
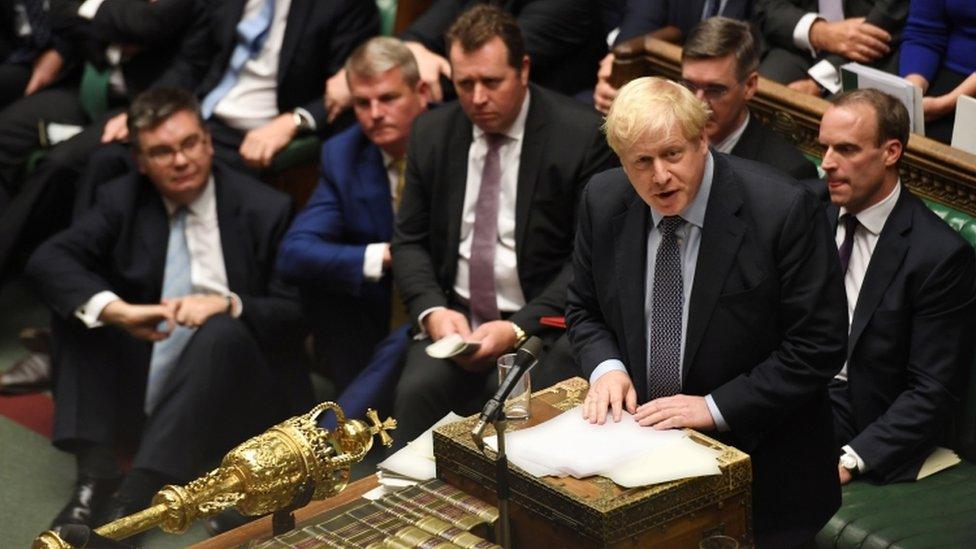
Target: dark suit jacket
(766, 326)
(644, 16)
(564, 38)
(319, 36)
(761, 144)
(324, 248)
(120, 245)
(911, 341)
(778, 18)
(561, 149)
(165, 33)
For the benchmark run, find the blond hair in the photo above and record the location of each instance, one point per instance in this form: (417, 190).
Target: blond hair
(380, 54)
(653, 105)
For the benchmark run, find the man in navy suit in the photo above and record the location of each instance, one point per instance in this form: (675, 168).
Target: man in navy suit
(911, 292)
(169, 322)
(707, 288)
(338, 249)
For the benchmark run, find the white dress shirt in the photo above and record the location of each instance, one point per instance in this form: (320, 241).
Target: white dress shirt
(373, 256)
(870, 223)
(253, 101)
(207, 272)
(732, 139)
(508, 289)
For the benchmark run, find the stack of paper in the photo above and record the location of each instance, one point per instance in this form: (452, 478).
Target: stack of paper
(623, 451)
(416, 459)
(857, 76)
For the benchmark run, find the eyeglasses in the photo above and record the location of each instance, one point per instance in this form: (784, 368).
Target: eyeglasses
(163, 155)
(710, 91)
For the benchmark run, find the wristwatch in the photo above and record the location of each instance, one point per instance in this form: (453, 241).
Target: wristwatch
(302, 124)
(520, 335)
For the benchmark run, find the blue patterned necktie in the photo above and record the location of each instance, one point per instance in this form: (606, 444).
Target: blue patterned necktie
(664, 354)
(481, 267)
(176, 283)
(250, 39)
(40, 32)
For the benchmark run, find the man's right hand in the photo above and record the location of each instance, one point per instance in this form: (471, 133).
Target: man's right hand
(116, 128)
(604, 93)
(444, 322)
(613, 390)
(141, 321)
(431, 66)
(852, 39)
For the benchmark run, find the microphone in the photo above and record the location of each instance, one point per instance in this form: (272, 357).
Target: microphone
(527, 356)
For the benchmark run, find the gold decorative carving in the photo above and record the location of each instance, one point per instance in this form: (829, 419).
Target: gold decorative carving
(260, 476)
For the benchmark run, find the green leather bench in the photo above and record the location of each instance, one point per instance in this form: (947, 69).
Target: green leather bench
(937, 511)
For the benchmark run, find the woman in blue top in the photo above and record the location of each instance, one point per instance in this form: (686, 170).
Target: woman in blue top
(939, 55)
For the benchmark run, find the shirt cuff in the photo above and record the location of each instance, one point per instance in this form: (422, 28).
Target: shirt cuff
(861, 466)
(90, 310)
(309, 119)
(612, 37)
(422, 333)
(826, 75)
(801, 33)
(373, 261)
(608, 365)
(236, 305)
(89, 8)
(720, 423)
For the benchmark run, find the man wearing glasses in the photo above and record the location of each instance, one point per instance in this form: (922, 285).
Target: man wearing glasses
(720, 63)
(168, 322)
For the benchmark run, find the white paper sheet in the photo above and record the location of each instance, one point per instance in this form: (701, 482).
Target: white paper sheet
(416, 459)
(624, 451)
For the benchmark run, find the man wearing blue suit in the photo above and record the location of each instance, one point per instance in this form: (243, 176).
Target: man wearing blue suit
(338, 248)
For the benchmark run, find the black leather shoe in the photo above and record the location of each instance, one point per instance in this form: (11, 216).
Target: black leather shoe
(28, 375)
(119, 506)
(89, 496)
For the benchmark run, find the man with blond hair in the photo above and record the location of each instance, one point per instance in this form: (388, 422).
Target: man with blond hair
(707, 290)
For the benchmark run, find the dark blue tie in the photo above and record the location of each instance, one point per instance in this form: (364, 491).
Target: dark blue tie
(667, 307)
(847, 246)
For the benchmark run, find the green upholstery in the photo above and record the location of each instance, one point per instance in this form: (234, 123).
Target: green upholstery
(938, 511)
(301, 150)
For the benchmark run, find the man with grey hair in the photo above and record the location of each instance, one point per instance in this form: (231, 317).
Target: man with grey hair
(338, 249)
(706, 288)
(720, 65)
(168, 322)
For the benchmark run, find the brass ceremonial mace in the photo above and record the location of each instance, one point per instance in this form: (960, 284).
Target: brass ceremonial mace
(260, 476)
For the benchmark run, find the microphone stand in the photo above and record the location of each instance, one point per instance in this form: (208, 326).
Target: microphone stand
(501, 482)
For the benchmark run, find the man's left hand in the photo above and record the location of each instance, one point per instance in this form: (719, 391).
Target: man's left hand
(497, 338)
(46, 69)
(844, 474)
(676, 412)
(193, 310)
(261, 144)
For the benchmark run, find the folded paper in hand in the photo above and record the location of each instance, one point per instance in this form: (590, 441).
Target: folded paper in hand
(624, 452)
(451, 345)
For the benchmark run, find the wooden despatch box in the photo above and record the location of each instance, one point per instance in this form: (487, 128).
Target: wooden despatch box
(595, 512)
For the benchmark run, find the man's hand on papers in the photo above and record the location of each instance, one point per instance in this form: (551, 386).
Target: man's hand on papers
(676, 412)
(612, 390)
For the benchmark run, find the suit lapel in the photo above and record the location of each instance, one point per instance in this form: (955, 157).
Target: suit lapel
(748, 144)
(720, 240)
(231, 235)
(630, 258)
(887, 258)
(294, 27)
(371, 186)
(152, 226)
(457, 178)
(534, 141)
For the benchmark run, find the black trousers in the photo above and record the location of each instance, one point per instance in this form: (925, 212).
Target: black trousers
(429, 388)
(13, 81)
(221, 392)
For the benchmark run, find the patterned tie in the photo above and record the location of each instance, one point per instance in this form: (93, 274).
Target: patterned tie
(250, 38)
(176, 283)
(398, 311)
(664, 368)
(40, 33)
(831, 10)
(711, 8)
(401, 168)
(850, 225)
(481, 267)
